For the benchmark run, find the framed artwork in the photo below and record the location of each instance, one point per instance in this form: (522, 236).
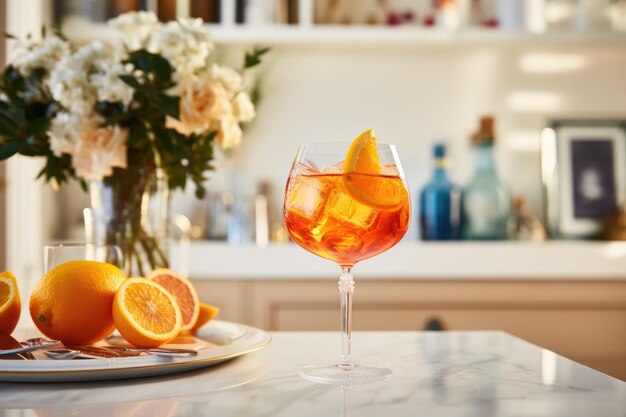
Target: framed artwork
(584, 174)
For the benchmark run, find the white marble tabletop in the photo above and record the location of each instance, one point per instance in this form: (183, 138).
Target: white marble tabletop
(447, 374)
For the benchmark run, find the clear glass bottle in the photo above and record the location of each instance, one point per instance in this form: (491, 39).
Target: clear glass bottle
(440, 203)
(487, 200)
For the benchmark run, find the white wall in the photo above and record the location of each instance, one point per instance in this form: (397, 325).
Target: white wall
(412, 95)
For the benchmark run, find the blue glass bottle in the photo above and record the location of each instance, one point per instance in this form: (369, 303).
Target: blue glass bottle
(440, 203)
(487, 200)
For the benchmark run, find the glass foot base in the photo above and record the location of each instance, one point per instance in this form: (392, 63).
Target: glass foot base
(337, 375)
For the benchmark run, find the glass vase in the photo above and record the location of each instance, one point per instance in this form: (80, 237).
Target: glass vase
(132, 212)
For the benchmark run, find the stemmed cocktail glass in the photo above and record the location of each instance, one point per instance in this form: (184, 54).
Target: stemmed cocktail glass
(346, 203)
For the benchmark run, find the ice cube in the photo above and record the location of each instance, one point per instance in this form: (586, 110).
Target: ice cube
(343, 208)
(336, 168)
(304, 169)
(307, 195)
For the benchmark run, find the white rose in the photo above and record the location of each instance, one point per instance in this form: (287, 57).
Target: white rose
(135, 28)
(109, 86)
(44, 54)
(64, 131)
(99, 149)
(231, 79)
(88, 75)
(184, 43)
(202, 101)
(228, 132)
(69, 80)
(243, 109)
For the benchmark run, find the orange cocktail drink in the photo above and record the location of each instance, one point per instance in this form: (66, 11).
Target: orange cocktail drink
(346, 202)
(323, 216)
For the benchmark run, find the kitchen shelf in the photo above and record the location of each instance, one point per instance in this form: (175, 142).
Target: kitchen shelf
(387, 36)
(419, 260)
(275, 35)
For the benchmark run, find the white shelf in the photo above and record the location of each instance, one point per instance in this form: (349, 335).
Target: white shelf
(417, 260)
(388, 36)
(82, 31)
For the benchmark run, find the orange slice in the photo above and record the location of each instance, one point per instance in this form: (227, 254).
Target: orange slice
(207, 313)
(362, 178)
(363, 156)
(183, 292)
(145, 313)
(10, 303)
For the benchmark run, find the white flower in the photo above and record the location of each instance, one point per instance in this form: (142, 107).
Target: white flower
(109, 86)
(184, 43)
(135, 28)
(243, 109)
(203, 100)
(44, 54)
(99, 149)
(231, 79)
(88, 75)
(228, 132)
(64, 132)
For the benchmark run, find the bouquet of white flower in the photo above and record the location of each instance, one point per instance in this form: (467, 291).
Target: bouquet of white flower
(149, 102)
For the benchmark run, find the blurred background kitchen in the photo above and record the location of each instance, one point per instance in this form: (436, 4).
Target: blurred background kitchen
(510, 120)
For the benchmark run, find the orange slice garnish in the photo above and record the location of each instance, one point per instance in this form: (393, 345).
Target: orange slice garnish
(145, 313)
(363, 156)
(362, 177)
(10, 304)
(183, 292)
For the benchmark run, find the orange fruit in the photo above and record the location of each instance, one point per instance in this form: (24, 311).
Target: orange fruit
(183, 292)
(363, 180)
(145, 313)
(72, 302)
(10, 304)
(207, 313)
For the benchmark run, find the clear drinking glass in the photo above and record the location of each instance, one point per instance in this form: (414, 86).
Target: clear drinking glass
(57, 254)
(345, 217)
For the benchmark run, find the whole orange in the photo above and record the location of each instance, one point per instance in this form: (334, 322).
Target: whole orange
(73, 302)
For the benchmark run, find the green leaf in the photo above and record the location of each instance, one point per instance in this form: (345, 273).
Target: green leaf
(162, 68)
(170, 105)
(141, 59)
(131, 81)
(38, 126)
(254, 58)
(9, 149)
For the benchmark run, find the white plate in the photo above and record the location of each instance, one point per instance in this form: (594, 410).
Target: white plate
(233, 339)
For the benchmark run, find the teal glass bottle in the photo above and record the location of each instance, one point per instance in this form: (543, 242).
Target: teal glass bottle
(487, 200)
(440, 203)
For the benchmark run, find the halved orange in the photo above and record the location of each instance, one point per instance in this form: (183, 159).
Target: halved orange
(362, 177)
(145, 313)
(207, 313)
(10, 303)
(183, 292)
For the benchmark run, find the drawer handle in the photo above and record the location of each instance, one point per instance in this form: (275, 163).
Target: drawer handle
(434, 324)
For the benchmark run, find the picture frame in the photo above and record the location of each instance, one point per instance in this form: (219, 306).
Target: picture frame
(583, 164)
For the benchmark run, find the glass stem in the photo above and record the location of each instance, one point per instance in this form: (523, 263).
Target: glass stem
(346, 291)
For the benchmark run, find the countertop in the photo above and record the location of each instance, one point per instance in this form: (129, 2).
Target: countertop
(469, 374)
(418, 260)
